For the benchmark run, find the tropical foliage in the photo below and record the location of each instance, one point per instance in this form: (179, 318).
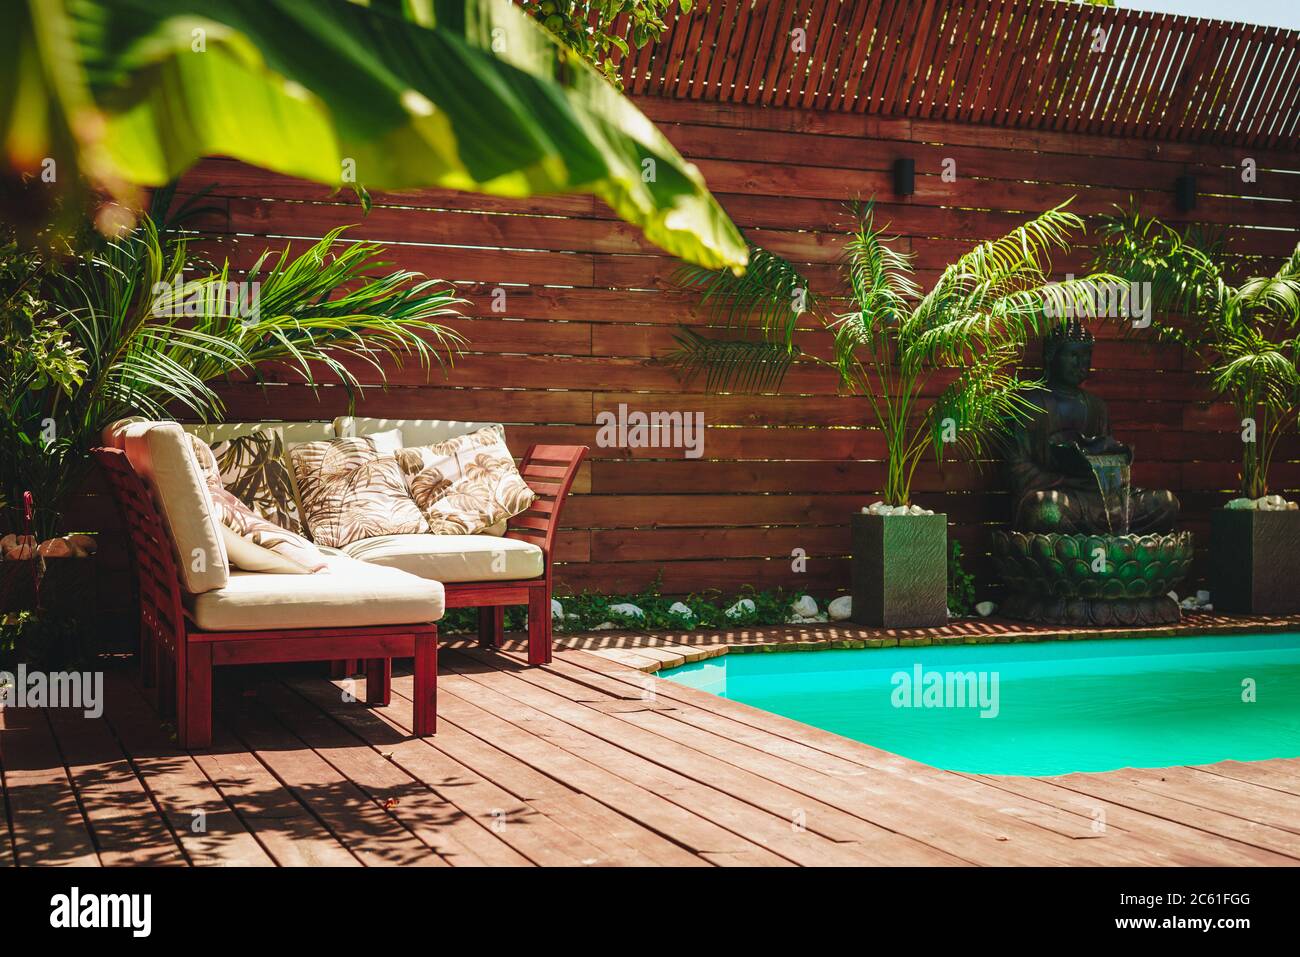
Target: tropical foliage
(117, 327)
(895, 345)
(591, 27)
(1247, 335)
(462, 94)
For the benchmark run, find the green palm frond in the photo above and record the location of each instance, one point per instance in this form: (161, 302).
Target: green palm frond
(732, 365)
(1180, 269)
(1290, 268)
(771, 294)
(1018, 260)
(977, 409)
(152, 338)
(1244, 334)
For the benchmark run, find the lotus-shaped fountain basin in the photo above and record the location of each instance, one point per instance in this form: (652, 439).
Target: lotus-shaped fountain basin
(1100, 580)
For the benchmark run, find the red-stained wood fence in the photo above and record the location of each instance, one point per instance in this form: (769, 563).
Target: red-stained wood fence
(588, 307)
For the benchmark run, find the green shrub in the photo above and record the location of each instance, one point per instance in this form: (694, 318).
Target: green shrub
(961, 585)
(586, 610)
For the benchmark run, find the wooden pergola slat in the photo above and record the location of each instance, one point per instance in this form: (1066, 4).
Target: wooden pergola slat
(1027, 64)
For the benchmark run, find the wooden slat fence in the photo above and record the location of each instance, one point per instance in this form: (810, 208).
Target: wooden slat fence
(588, 307)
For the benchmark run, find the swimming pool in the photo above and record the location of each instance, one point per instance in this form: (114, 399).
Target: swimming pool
(1037, 708)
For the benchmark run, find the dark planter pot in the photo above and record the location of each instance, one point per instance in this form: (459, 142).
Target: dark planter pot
(1253, 560)
(900, 570)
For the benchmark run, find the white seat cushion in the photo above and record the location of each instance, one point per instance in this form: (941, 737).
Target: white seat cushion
(453, 558)
(346, 594)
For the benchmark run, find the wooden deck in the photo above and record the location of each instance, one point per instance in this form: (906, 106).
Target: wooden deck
(584, 762)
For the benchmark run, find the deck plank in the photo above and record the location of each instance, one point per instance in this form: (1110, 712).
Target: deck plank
(1239, 798)
(1276, 846)
(1182, 843)
(640, 792)
(177, 785)
(122, 817)
(486, 797)
(49, 827)
(622, 840)
(453, 835)
(350, 816)
(1279, 774)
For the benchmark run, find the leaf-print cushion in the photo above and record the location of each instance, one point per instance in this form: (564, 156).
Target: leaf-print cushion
(295, 553)
(350, 491)
(466, 484)
(256, 471)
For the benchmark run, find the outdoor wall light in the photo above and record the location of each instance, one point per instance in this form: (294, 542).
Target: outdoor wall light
(904, 177)
(1185, 193)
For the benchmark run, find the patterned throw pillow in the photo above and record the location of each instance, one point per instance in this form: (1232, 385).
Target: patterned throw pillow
(290, 553)
(466, 484)
(349, 492)
(255, 470)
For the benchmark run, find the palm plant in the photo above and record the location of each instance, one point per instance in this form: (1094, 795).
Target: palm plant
(1246, 335)
(122, 330)
(894, 345)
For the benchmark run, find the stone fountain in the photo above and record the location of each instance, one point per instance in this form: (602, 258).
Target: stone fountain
(1085, 548)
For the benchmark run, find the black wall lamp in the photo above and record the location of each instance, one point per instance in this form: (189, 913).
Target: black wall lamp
(904, 177)
(1185, 193)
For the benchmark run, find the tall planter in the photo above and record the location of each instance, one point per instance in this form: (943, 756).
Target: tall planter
(900, 570)
(1254, 556)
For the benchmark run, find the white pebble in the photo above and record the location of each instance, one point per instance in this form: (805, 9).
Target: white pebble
(841, 609)
(805, 606)
(742, 607)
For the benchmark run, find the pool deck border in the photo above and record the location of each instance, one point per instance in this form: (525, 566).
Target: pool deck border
(652, 651)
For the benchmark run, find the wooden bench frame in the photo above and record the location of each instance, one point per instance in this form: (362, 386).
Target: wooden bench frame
(549, 471)
(177, 657)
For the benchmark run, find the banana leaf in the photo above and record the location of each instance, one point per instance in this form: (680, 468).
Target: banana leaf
(390, 95)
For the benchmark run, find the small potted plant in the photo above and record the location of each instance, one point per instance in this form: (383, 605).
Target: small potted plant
(1247, 336)
(894, 345)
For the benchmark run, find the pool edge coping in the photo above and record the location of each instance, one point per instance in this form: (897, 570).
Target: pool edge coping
(662, 652)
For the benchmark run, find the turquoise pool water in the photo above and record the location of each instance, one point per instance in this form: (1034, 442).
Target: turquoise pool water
(1042, 708)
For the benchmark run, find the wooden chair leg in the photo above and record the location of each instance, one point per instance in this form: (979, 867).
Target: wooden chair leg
(426, 683)
(379, 681)
(341, 668)
(491, 626)
(194, 718)
(539, 626)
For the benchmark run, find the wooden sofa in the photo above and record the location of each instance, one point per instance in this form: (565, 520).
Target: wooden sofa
(183, 633)
(487, 572)
(196, 613)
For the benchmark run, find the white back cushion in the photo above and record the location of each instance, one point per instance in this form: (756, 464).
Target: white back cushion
(295, 433)
(161, 454)
(415, 432)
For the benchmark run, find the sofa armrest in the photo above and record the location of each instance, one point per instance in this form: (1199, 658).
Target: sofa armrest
(549, 471)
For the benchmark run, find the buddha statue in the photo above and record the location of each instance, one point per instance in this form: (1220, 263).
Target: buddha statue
(1058, 459)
